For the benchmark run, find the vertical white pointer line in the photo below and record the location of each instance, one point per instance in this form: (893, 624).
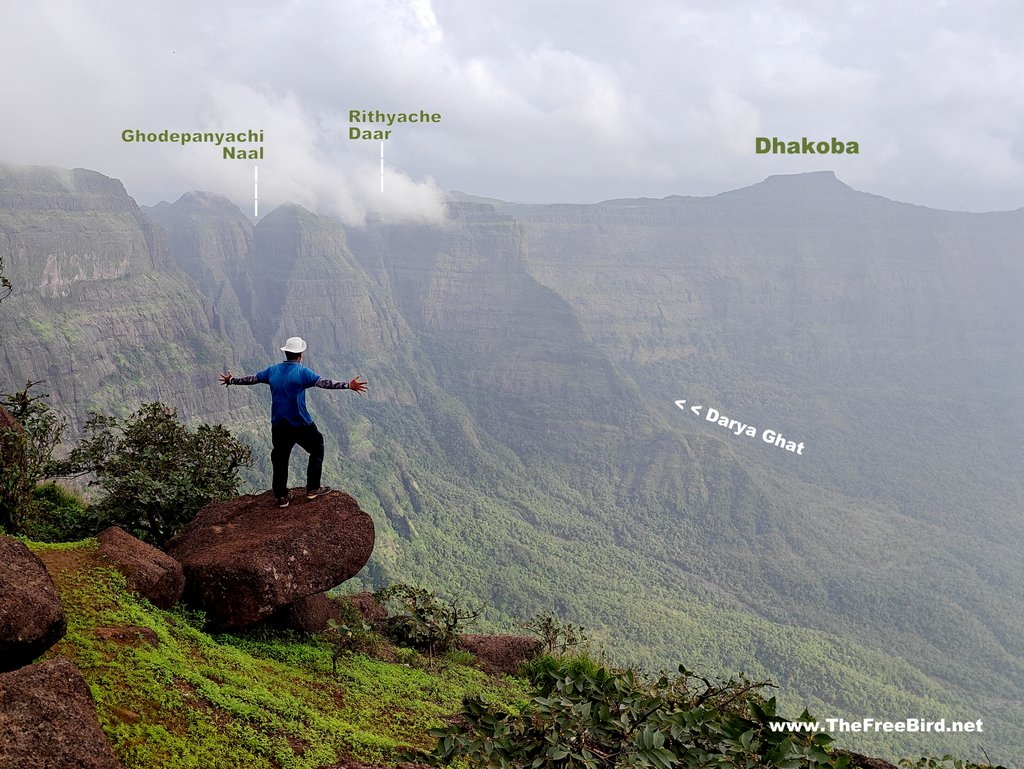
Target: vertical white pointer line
(382, 165)
(256, 192)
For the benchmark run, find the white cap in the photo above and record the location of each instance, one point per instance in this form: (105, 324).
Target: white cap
(294, 344)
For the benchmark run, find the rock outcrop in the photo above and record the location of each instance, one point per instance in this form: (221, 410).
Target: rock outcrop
(48, 719)
(500, 654)
(372, 611)
(310, 614)
(150, 572)
(31, 615)
(245, 559)
(95, 277)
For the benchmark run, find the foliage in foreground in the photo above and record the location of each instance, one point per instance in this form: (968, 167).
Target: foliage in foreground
(585, 715)
(57, 514)
(156, 473)
(945, 762)
(603, 718)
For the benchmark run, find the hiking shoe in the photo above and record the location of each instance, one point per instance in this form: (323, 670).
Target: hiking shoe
(285, 500)
(314, 493)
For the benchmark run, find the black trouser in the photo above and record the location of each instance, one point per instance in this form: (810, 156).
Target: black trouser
(285, 436)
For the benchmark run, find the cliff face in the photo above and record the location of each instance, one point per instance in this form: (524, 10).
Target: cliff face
(100, 311)
(500, 341)
(857, 323)
(210, 241)
(807, 270)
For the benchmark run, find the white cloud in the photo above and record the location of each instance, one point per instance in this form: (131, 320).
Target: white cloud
(540, 100)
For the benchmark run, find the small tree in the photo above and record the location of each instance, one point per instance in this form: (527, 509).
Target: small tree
(26, 454)
(14, 487)
(558, 638)
(155, 473)
(5, 284)
(421, 620)
(44, 430)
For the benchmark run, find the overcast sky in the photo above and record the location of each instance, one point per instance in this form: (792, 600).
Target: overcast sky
(541, 100)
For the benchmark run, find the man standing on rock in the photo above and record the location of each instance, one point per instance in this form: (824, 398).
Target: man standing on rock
(290, 423)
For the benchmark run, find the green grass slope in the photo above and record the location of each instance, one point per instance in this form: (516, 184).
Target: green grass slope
(195, 701)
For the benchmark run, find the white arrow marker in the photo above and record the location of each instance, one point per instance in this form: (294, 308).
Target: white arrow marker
(680, 404)
(696, 409)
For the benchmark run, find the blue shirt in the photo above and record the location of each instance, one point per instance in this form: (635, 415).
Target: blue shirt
(288, 382)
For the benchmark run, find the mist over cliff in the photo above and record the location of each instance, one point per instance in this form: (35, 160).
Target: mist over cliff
(522, 440)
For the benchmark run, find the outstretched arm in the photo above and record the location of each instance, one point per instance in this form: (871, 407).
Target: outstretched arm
(227, 379)
(329, 384)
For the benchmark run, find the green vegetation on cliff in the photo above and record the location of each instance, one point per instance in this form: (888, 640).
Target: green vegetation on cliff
(171, 696)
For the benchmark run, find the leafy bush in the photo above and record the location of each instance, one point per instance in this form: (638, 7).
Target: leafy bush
(14, 486)
(27, 454)
(556, 636)
(155, 473)
(44, 429)
(542, 667)
(618, 718)
(348, 634)
(420, 619)
(460, 657)
(946, 762)
(57, 515)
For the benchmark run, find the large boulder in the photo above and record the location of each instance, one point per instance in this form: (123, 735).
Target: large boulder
(374, 613)
(150, 572)
(31, 615)
(48, 719)
(307, 615)
(245, 558)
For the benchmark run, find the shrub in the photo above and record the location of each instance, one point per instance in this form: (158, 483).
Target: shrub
(349, 634)
(945, 762)
(543, 667)
(44, 429)
(604, 718)
(14, 486)
(27, 453)
(420, 619)
(460, 657)
(557, 637)
(155, 473)
(58, 515)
